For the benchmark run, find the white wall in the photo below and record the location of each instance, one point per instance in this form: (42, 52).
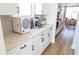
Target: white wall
(6, 24)
(75, 44)
(51, 10)
(2, 45)
(76, 35)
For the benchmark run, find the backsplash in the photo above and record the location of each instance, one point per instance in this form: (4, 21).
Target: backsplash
(6, 24)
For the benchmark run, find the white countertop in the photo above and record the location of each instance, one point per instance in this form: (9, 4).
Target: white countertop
(13, 39)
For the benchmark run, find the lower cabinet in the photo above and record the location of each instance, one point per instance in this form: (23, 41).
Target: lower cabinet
(24, 49)
(34, 46)
(43, 41)
(49, 31)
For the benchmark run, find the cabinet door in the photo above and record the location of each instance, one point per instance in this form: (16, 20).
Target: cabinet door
(47, 37)
(35, 44)
(24, 8)
(49, 34)
(8, 8)
(38, 9)
(43, 41)
(24, 49)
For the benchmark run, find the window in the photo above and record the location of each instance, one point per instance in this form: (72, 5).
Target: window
(71, 12)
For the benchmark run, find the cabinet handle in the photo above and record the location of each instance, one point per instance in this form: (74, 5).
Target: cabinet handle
(42, 34)
(18, 10)
(23, 47)
(42, 40)
(33, 47)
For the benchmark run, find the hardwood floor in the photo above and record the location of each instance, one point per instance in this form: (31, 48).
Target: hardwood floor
(63, 43)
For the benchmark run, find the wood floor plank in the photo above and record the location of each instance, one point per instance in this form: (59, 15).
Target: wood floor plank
(63, 43)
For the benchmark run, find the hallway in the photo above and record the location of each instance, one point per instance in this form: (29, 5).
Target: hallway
(63, 43)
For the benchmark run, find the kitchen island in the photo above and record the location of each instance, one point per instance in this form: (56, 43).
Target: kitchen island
(31, 42)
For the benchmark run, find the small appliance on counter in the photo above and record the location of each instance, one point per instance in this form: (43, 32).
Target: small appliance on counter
(21, 24)
(31, 23)
(39, 21)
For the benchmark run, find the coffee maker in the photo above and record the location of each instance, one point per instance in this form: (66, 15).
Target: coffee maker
(39, 21)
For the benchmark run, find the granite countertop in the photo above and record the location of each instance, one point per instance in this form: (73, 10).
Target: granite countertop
(13, 40)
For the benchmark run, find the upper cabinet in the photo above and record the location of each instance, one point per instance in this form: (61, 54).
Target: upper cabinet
(21, 8)
(45, 8)
(8, 8)
(15, 8)
(24, 8)
(38, 9)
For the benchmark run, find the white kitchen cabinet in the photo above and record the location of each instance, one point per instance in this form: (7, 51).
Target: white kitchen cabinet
(8, 8)
(30, 47)
(15, 8)
(40, 42)
(45, 8)
(34, 45)
(23, 49)
(48, 36)
(24, 8)
(43, 41)
(38, 8)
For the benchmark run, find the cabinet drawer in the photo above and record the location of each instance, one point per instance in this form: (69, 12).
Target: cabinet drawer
(43, 41)
(23, 49)
(35, 44)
